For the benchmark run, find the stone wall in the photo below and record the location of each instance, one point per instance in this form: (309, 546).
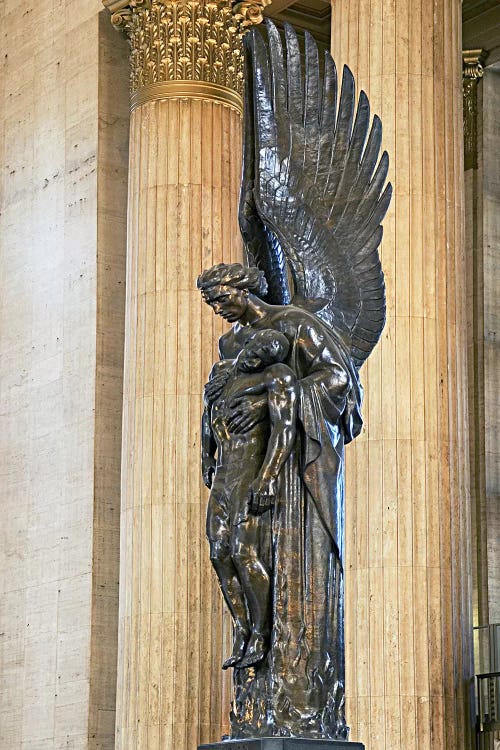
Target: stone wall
(491, 263)
(62, 229)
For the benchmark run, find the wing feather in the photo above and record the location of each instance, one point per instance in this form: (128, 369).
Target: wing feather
(317, 182)
(278, 73)
(293, 67)
(261, 246)
(340, 144)
(311, 104)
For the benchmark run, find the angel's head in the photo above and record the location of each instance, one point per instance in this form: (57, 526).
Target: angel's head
(225, 287)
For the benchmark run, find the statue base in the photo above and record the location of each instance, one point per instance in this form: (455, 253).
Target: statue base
(283, 743)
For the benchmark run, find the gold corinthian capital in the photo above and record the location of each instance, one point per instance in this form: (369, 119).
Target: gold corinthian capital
(473, 61)
(186, 48)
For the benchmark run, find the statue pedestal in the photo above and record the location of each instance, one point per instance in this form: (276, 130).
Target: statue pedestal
(283, 743)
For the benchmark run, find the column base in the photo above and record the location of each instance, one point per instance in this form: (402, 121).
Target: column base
(283, 743)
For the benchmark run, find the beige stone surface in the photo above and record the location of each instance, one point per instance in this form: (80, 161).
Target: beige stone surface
(473, 194)
(112, 182)
(491, 267)
(61, 267)
(408, 563)
(183, 187)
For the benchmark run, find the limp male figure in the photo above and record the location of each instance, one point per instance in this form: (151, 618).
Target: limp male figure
(244, 486)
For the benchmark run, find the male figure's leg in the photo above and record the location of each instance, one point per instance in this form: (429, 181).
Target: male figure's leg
(256, 581)
(219, 537)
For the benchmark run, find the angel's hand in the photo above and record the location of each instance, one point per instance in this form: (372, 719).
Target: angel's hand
(246, 413)
(261, 495)
(214, 387)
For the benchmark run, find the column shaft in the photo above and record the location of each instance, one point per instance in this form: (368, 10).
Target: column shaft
(408, 627)
(183, 194)
(473, 165)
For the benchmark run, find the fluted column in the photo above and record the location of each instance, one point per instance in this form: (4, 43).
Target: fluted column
(472, 85)
(408, 627)
(185, 145)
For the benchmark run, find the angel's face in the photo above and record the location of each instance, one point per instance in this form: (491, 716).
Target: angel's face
(228, 302)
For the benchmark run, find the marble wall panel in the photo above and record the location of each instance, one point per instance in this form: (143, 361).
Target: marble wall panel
(60, 360)
(491, 262)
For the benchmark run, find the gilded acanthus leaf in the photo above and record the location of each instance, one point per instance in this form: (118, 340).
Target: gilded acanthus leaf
(194, 40)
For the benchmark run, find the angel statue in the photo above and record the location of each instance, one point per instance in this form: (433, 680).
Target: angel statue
(307, 310)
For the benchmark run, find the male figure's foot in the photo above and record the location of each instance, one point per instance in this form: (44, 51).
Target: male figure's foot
(257, 648)
(241, 637)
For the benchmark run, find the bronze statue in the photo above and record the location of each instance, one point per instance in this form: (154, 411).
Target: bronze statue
(279, 414)
(243, 490)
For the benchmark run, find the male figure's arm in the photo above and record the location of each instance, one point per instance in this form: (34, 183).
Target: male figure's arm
(280, 384)
(208, 449)
(216, 382)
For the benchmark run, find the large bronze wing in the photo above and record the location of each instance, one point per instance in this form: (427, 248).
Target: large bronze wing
(313, 195)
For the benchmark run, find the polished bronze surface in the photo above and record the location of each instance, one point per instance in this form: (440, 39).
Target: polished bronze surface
(240, 498)
(312, 200)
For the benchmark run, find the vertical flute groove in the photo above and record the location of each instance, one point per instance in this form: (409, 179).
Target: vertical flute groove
(171, 625)
(407, 525)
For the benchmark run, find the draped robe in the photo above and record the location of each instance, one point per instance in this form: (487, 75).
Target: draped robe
(298, 690)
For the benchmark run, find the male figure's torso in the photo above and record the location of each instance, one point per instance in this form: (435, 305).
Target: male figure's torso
(239, 456)
(236, 451)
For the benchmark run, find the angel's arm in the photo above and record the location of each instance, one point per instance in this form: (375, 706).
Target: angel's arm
(334, 379)
(249, 407)
(324, 369)
(217, 379)
(250, 390)
(247, 412)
